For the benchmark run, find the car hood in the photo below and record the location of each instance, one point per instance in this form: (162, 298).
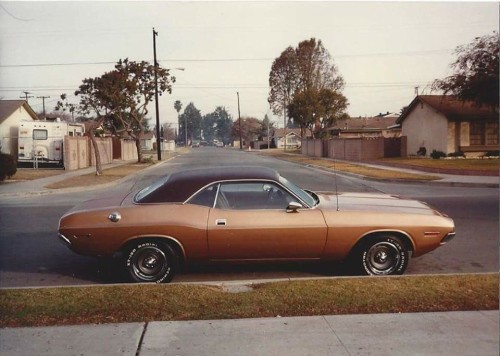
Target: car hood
(374, 202)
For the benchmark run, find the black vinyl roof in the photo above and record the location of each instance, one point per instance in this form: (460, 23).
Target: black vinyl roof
(179, 186)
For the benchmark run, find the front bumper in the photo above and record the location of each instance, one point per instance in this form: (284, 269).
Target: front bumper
(448, 238)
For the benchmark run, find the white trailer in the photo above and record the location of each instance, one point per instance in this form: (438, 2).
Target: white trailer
(42, 141)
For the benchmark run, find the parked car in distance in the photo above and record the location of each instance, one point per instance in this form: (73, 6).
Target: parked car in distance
(251, 214)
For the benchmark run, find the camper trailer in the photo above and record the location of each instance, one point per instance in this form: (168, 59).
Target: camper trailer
(42, 141)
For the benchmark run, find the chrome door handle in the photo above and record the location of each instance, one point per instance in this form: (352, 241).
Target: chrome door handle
(221, 222)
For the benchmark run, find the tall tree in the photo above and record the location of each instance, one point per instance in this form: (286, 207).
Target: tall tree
(178, 107)
(94, 101)
(315, 67)
(305, 75)
(209, 127)
(168, 131)
(191, 117)
(476, 76)
(131, 90)
(318, 110)
(251, 129)
(283, 80)
(224, 125)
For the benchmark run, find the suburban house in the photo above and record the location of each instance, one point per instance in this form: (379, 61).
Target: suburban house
(12, 112)
(444, 123)
(379, 126)
(147, 139)
(293, 138)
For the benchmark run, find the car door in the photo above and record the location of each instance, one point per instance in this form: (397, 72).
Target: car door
(250, 222)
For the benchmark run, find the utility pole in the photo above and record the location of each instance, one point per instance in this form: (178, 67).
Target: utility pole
(239, 120)
(284, 120)
(268, 134)
(186, 127)
(158, 138)
(26, 97)
(43, 100)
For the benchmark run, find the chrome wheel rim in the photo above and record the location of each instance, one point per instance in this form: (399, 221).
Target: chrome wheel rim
(382, 258)
(149, 263)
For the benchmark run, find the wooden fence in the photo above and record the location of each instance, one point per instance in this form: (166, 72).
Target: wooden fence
(355, 149)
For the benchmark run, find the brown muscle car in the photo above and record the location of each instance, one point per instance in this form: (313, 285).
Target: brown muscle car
(251, 214)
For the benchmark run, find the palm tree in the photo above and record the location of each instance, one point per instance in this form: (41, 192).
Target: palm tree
(178, 107)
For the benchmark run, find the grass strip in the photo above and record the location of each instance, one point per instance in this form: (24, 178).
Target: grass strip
(141, 303)
(370, 172)
(479, 165)
(91, 179)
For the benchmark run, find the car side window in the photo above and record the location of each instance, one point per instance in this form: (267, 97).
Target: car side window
(252, 195)
(206, 197)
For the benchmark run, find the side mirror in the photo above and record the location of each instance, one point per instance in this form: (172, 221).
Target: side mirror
(293, 207)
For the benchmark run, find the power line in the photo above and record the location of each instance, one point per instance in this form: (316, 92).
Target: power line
(381, 54)
(230, 86)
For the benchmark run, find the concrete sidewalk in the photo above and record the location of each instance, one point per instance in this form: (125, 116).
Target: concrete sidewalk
(37, 186)
(447, 333)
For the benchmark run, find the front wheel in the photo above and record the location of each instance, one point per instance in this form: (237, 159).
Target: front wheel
(384, 255)
(153, 262)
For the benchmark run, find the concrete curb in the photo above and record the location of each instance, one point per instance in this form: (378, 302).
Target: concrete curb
(251, 282)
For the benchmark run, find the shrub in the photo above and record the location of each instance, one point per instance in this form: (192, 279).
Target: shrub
(422, 152)
(437, 154)
(492, 154)
(148, 160)
(456, 154)
(7, 166)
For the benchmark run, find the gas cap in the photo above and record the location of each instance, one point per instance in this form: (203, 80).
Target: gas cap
(115, 217)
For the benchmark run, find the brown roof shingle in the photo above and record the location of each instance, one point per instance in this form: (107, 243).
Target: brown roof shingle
(7, 107)
(452, 108)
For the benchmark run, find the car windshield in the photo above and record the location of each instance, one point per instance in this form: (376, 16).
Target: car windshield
(306, 197)
(149, 189)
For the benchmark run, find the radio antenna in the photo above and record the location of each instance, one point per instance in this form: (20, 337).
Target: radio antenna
(335, 177)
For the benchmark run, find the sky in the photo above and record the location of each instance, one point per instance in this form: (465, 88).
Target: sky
(383, 50)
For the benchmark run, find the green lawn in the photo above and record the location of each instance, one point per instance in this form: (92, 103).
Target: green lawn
(134, 303)
(458, 163)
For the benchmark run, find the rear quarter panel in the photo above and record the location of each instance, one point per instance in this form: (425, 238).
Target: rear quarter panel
(92, 233)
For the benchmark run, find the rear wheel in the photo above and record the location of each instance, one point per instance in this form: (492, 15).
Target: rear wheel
(153, 262)
(383, 255)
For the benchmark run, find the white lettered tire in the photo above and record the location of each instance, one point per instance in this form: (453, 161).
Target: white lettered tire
(383, 255)
(151, 261)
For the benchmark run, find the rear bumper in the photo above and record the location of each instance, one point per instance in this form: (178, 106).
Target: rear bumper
(64, 240)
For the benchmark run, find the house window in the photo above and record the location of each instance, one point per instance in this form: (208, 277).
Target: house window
(492, 133)
(483, 133)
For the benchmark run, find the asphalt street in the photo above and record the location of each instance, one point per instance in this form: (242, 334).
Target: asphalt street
(31, 255)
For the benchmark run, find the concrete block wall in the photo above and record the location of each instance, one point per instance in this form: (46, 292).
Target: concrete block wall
(76, 152)
(105, 150)
(129, 150)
